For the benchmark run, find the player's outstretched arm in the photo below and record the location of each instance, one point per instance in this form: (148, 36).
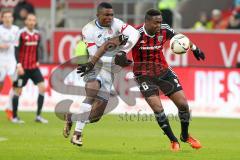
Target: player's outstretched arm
(198, 54)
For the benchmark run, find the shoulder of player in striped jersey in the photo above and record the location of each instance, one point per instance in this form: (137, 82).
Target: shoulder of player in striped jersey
(140, 28)
(166, 26)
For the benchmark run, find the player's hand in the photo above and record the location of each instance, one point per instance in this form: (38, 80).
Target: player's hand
(20, 70)
(37, 64)
(121, 59)
(198, 54)
(123, 39)
(83, 69)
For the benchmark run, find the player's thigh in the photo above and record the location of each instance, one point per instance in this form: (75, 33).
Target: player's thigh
(36, 76)
(41, 87)
(169, 83)
(3, 74)
(21, 80)
(107, 79)
(155, 103)
(92, 87)
(93, 83)
(147, 87)
(180, 100)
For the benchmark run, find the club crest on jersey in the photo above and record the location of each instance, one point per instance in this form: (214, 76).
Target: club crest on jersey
(36, 37)
(160, 38)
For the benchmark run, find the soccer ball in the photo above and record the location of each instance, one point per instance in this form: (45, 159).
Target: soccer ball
(179, 44)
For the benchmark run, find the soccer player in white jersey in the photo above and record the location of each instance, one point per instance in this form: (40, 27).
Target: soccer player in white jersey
(99, 80)
(8, 41)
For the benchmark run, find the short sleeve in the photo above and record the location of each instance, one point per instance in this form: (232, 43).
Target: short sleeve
(170, 31)
(119, 25)
(88, 39)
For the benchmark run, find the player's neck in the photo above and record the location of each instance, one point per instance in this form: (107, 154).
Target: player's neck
(30, 29)
(7, 25)
(148, 31)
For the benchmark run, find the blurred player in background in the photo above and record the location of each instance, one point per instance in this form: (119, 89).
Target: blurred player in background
(99, 81)
(8, 41)
(152, 73)
(28, 67)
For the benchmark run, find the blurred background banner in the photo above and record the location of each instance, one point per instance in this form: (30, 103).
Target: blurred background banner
(212, 92)
(222, 49)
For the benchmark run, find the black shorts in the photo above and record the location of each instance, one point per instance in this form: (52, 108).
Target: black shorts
(168, 83)
(34, 74)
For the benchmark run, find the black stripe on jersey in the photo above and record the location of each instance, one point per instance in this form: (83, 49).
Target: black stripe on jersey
(155, 52)
(148, 54)
(139, 68)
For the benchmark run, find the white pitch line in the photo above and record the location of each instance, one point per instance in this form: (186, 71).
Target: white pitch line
(3, 139)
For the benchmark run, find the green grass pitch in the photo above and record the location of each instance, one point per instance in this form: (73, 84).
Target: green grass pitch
(116, 139)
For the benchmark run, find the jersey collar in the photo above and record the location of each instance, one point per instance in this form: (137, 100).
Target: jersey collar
(97, 24)
(146, 32)
(29, 32)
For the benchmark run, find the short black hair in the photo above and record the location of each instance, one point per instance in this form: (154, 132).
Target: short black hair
(104, 5)
(152, 12)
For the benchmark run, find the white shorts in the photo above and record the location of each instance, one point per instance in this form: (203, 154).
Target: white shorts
(105, 77)
(7, 68)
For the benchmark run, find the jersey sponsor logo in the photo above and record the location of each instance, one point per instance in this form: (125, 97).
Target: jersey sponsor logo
(34, 43)
(150, 48)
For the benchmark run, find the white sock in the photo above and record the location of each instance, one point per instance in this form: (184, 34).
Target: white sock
(83, 109)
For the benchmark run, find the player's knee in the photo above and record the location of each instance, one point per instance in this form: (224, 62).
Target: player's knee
(17, 91)
(94, 120)
(183, 106)
(42, 88)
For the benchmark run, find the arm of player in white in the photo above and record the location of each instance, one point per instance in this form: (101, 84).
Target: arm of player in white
(133, 36)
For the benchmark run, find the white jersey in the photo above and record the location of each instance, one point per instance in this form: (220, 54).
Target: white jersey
(8, 36)
(95, 35)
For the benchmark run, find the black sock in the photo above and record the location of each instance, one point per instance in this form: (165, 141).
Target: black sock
(184, 117)
(40, 104)
(15, 105)
(165, 126)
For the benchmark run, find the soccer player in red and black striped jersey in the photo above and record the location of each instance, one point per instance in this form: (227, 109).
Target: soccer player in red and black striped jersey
(152, 73)
(28, 67)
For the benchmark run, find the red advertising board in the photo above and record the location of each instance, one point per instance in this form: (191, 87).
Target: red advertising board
(210, 92)
(221, 49)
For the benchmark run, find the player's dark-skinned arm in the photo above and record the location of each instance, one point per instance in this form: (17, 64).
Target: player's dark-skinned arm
(108, 45)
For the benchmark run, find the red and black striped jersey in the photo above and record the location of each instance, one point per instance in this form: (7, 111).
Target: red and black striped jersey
(147, 53)
(27, 51)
